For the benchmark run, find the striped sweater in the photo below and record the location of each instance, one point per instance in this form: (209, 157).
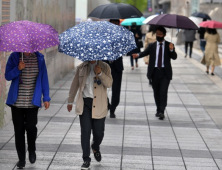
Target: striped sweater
(27, 82)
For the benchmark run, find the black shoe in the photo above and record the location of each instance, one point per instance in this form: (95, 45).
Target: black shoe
(112, 115)
(190, 56)
(157, 114)
(185, 56)
(212, 74)
(20, 164)
(161, 117)
(85, 165)
(32, 157)
(97, 155)
(207, 72)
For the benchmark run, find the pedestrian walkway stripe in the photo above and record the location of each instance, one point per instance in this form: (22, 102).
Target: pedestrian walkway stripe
(148, 122)
(198, 130)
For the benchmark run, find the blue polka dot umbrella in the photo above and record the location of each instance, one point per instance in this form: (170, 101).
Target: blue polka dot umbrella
(98, 40)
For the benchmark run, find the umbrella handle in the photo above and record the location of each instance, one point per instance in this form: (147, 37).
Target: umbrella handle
(22, 56)
(171, 34)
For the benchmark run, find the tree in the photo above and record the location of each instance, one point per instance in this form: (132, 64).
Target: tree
(140, 4)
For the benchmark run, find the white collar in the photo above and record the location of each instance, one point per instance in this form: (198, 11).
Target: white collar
(158, 43)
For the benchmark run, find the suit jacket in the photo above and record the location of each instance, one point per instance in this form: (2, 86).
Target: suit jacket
(116, 64)
(168, 55)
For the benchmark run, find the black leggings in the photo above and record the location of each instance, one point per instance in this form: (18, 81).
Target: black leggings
(186, 47)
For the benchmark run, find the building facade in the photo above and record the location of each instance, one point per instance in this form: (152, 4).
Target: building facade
(59, 14)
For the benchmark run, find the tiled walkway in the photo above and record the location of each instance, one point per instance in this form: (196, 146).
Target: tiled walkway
(188, 139)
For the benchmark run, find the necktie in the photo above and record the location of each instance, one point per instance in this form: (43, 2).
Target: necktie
(160, 56)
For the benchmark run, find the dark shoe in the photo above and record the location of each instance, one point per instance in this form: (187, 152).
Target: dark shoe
(32, 157)
(20, 164)
(112, 115)
(161, 117)
(212, 74)
(185, 56)
(97, 154)
(207, 72)
(157, 114)
(85, 165)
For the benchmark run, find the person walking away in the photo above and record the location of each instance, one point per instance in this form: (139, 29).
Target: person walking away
(144, 29)
(92, 79)
(159, 68)
(201, 32)
(138, 35)
(29, 80)
(117, 72)
(150, 38)
(189, 39)
(211, 57)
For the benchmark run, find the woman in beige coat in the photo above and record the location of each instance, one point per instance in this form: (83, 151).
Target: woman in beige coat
(150, 38)
(91, 80)
(211, 57)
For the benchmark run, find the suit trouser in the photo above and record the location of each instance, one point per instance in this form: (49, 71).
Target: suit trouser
(186, 47)
(24, 119)
(87, 124)
(160, 85)
(116, 89)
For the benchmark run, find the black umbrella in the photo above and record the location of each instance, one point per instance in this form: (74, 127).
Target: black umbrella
(201, 15)
(115, 11)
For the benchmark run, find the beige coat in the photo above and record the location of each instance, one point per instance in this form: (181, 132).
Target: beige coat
(99, 108)
(211, 57)
(150, 38)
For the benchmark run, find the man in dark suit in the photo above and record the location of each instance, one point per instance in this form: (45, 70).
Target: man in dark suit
(159, 70)
(116, 71)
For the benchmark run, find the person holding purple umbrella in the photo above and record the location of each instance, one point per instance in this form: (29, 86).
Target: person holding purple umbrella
(159, 69)
(29, 80)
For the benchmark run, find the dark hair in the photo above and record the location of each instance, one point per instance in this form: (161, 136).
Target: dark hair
(114, 20)
(162, 29)
(134, 24)
(152, 29)
(211, 31)
(204, 19)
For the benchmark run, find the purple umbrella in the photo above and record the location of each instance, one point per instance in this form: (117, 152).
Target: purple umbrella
(26, 36)
(173, 21)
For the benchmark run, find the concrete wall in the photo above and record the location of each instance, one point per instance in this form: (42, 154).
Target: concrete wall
(58, 13)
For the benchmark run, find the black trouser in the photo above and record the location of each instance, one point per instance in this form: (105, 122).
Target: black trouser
(160, 85)
(116, 89)
(24, 119)
(132, 62)
(186, 47)
(87, 124)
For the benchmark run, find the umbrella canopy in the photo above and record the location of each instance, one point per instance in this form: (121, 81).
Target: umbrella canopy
(211, 24)
(99, 40)
(27, 36)
(196, 20)
(115, 11)
(128, 22)
(201, 15)
(173, 21)
(148, 19)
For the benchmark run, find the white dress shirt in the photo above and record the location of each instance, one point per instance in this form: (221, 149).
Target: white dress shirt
(157, 53)
(88, 89)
